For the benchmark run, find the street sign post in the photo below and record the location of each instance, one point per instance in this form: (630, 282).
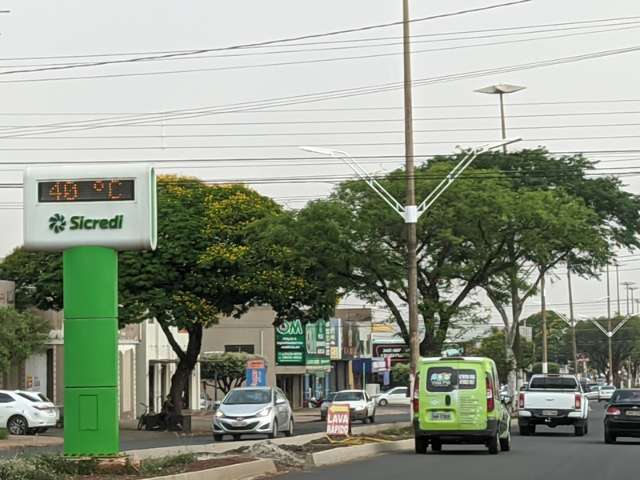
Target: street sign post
(89, 213)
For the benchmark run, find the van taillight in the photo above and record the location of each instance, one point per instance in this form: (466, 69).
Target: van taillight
(578, 401)
(490, 400)
(521, 400)
(416, 394)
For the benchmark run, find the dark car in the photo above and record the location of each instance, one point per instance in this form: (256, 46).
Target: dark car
(623, 415)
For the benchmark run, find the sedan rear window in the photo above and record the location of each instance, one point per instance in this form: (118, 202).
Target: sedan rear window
(31, 398)
(248, 397)
(554, 383)
(626, 396)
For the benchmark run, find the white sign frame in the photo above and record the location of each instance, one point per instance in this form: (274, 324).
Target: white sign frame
(135, 228)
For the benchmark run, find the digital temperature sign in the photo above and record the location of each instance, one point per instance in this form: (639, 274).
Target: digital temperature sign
(99, 190)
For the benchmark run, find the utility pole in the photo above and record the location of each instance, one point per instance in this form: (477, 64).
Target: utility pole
(572, 323)
(502, 122)
(411, 213)
(609, 377)
(617, 288)
(543, 314)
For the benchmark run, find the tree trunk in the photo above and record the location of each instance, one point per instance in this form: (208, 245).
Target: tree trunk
(186, 363)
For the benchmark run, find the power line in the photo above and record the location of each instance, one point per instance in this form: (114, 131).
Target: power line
(264, 43)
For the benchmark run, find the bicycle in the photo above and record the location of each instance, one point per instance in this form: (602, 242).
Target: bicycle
(148, 421)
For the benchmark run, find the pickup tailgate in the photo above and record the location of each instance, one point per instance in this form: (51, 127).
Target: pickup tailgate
(549, 400)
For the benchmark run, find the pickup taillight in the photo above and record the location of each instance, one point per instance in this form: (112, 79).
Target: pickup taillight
(491, 404)
(416, 395)
(578, 401)
(521, 400)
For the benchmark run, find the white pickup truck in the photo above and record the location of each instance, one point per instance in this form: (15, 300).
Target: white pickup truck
(553, 400)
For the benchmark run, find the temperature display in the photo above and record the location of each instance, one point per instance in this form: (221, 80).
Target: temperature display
(100, 190)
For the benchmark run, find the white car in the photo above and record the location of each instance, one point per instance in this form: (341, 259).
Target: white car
(605, 393)
(593, 393)
(23, 413)
(395, 396)
(361, 405)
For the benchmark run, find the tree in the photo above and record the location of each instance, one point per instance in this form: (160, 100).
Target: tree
(226, 370)
(400, 375)
(22, 335)
(211, 260)
(492, 346)
(360, 243)
(566, 218)
(559, 347)
(591, 341)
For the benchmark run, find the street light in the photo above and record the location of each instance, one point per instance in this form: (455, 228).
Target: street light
(411, 213)
(501, 89)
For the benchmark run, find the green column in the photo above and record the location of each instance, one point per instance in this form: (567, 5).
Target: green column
(91, 420)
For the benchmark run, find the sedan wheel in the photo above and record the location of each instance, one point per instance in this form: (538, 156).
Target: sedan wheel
(18, 425)
(289, 432)
(274, 431)
(383, 402)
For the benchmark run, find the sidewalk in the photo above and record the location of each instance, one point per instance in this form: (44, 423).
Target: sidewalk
(201, 420)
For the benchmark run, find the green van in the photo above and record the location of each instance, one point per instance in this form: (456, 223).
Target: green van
(456, 400)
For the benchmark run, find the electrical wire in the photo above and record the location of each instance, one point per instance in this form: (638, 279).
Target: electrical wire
(267, 42)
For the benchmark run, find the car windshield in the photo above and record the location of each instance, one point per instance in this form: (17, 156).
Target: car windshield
(331, 397)
(248, 397)
(554, 383)
(348, 397)
(626, 396)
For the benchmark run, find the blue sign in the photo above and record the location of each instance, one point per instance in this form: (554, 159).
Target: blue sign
(256, 377)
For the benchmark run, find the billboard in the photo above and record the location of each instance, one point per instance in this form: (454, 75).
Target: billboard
(290, 343)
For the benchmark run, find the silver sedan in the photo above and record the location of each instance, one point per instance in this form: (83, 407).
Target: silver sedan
(253, 410)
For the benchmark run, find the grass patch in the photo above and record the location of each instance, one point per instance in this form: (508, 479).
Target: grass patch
(160, 465)
(3, 434)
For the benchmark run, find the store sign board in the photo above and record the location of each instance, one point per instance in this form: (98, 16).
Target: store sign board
(316, 343)
(290, 343)
(338, 421)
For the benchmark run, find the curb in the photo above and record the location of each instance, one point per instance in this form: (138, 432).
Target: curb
(238, 471)
(227, 446)
(349, 454)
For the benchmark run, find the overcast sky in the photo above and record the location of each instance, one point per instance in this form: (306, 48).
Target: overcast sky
(260, 146)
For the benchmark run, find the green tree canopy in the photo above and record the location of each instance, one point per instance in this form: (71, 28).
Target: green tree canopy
(23, 334)
(492, 346)
(226, 370)
(211, 259)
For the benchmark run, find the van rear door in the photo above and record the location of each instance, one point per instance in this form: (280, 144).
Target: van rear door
(453, 396)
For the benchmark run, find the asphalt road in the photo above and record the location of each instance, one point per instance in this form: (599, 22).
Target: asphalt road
(139, 440)
(552, 454)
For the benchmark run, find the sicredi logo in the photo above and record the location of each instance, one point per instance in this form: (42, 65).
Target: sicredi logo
(58, 223)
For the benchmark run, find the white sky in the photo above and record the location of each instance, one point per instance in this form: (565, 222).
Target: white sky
(74, 27)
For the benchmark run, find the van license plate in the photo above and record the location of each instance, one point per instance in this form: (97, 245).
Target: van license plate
(440, 415)
(633, 413)
(550, 413)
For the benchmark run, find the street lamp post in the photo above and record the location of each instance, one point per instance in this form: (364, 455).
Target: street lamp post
(501, 89)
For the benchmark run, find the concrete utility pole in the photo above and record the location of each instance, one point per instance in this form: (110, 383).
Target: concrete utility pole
(572, 323)
(543, 314)
(617, 287)
(609, 376)
(411, 213)
(632, 289)
(627, 286)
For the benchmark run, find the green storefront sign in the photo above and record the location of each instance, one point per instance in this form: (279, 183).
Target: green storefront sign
(298, 344)
(290, 343)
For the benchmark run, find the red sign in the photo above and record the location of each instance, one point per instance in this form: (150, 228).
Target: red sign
(255, 363)
(338, 421)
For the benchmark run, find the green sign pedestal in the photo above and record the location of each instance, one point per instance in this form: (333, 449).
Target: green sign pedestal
(91, 420)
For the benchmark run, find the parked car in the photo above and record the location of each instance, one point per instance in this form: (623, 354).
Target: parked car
(455, 400)
(622, 418)
(324, 408)
(361, 405)
(593, 393)
(23, 413)
(553, 400)
(253, 410)
(605, 393)
(395, 396)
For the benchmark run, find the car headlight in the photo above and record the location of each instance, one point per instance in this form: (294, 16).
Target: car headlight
(360, 407)
(264, 412)
(219, 414)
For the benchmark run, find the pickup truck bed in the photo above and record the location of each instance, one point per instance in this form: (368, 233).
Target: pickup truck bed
(553, 400)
